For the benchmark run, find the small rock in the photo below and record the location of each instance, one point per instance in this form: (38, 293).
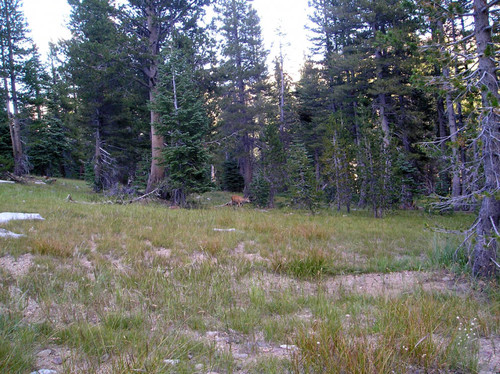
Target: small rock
(44, 353)
(171, 362)
(57, 361)
(198, 367)
(44, 371)
(288, 346)
(240, 356)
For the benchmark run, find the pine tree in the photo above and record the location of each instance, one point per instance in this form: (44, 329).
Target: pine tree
(339, 158)
(15, 46)
(244, 80)
(97, 64)
(313, 112)
(150, 24)
(302, 185)
(184, 122)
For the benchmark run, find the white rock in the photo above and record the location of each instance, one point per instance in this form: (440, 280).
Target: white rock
(10, 182)
(171, 362)
(44, 371)
(7, 216)
(288, 346)
(8, 234)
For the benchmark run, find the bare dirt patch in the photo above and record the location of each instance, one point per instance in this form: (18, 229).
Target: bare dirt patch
(247, 350)
(489, 355)
(198, 258)
(374, 284)
(241, 252)
(393, 284)
(17, 267)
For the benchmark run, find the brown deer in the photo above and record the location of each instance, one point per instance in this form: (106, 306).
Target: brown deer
(239, 200)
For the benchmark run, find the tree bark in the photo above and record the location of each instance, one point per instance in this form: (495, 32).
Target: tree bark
(452, 123)
(14, 124)
(157, 173)
(485, 248)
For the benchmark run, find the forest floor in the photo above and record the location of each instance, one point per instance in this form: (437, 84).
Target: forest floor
(141, 288)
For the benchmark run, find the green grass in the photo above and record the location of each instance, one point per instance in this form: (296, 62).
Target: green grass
(126, 287)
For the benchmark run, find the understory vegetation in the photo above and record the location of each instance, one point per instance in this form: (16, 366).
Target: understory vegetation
(107, 288)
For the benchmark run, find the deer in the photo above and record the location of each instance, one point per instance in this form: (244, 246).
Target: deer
(239, 200)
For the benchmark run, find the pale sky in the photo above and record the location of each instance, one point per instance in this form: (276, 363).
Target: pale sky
(47, 20)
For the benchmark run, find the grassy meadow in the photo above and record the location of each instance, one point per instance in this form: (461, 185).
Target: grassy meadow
(141, 288)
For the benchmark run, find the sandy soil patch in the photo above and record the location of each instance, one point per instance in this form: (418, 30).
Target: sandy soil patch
(241, 252)
(247, 350)
(489, 355)
(373, 284)
(17, 267)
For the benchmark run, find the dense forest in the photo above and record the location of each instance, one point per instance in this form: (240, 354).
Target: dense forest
(397, 103)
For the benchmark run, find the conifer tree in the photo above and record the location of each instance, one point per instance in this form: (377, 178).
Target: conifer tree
(150, 24)
(97, 64)
(244, 75)
(15, 46)
(302, 184)
(184, 123)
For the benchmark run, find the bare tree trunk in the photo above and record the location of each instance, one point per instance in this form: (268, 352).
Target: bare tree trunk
(485, 249)
(157, 142)
(247, 163)
(14, 124)
(98, 181)
(455, 157)
(452, 123)
(382, 102)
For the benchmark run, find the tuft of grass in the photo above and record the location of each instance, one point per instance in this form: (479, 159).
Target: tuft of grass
(447, 256)
(51, 247)
(398, 335)
(17, 343)
(310, 265)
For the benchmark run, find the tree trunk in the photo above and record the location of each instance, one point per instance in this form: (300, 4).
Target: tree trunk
(14, 124)
(452, 119)
(485, 249)
(157, 142)
(247, 163)
(382, 101)
(455, 157)
(98, 177)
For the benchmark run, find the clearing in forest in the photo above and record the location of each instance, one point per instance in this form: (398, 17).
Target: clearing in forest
(102, 288)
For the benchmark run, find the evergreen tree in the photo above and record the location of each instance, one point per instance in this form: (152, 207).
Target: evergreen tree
(244, 75)
(184, 122)
(273, 164)
(313, 112)
(150, 24)
(302, 183)
(15, 46)
(96, 62)
(339, 159)
(232, 180)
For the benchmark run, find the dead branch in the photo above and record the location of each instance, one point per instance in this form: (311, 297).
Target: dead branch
(140, 197)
